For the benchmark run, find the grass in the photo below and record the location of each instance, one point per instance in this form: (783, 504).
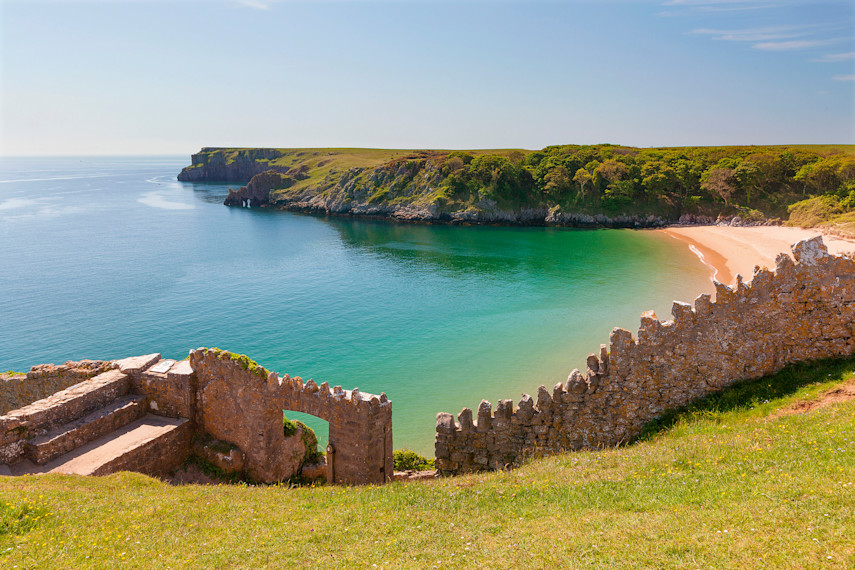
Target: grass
(726, 483)
(243, 360)
(825, 212)
(323, 162)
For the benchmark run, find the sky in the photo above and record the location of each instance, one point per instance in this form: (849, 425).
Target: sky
(82, 77)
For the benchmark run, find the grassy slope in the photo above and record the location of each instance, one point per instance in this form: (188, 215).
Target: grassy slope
(323, 161)
(725, 484)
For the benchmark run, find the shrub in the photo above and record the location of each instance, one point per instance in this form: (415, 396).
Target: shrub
(814, 211)
(309, 438)
(289, 428)
(407, 460)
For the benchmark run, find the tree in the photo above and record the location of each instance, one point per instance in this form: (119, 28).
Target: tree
(557, 182)
(658, 179)
(748, 176)
(609, 172)
(581, 178)
(721, 182)
(688, 175)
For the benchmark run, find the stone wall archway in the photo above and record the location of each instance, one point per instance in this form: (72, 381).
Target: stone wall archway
(240, 402)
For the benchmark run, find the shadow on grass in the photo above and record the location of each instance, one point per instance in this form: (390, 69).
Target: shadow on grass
(748, 394)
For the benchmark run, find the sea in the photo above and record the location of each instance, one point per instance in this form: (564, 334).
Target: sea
(108, 257)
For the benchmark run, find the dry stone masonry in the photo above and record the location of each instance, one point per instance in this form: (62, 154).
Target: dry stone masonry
(149, 414)
(802, 311)
(18, 390)
(243, 405)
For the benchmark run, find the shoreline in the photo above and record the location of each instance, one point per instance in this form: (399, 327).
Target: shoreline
(728, 251)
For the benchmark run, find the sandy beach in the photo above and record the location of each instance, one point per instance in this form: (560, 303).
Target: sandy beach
(729, 251)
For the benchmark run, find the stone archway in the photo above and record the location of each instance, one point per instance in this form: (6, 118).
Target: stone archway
(241, 403)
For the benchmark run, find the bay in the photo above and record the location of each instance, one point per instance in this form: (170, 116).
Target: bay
(106, 257)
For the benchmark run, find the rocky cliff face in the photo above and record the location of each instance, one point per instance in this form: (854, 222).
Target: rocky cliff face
(406, 191)
(230, 165)
(408, 186)
(257, 192)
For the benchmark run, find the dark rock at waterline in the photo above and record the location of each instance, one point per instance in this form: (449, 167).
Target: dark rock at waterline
(257, 191)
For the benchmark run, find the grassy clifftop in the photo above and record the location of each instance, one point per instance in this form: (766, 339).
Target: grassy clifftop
(571, 184)
(760, 476)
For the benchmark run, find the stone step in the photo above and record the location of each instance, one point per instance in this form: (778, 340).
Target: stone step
(154, 445)
(68, 405)
(72, 435)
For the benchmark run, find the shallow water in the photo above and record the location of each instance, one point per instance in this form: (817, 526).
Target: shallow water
(111, 257)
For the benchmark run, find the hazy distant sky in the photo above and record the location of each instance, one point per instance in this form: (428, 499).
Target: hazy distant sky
(168, 77)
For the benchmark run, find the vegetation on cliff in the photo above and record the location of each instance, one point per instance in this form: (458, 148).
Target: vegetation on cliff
(562, 184)
(740, 480)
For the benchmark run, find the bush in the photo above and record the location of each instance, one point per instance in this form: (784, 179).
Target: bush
(309, 438)
(813, 211)
(407, 460)
(289, 428)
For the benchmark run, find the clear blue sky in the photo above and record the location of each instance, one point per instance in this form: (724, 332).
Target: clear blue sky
(158, 77)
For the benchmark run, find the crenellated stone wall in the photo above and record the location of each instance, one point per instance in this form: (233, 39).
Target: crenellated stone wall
(232, 405)
(802, 311)
(241, 403)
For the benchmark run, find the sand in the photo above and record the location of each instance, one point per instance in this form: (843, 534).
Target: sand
(728, 251)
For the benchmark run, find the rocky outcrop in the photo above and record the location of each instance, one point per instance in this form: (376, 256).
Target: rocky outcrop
(257, 192)
(402, 192)
(487, 214)
(230, 165)
(800, 312)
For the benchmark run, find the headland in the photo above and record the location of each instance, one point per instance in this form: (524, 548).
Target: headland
(600, 185)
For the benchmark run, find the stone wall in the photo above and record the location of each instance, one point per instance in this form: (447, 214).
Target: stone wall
(241, 403)
(157, 457)
(800, 312)
(19, 390)
(170, 386)
(234, 406)
(21, 425)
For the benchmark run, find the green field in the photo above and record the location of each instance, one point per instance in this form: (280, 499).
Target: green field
(738, 480)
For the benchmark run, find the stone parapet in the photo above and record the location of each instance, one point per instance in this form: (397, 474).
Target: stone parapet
(158, 455)
(20, 425)
(74, 434)
(216, 395)
(801, 311)
(19, 390)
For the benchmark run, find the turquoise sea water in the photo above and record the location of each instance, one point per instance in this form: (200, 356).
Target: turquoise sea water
(111, 257)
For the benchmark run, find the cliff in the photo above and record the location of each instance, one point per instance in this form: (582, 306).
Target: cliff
(586, 186)
(229, 165)
(257, 191)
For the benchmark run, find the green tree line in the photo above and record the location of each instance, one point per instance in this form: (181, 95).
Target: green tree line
(750, 181)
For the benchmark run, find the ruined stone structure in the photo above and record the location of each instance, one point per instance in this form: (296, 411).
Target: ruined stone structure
(149, 414)
(18, 390)
(799, 312)
(244, 407)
